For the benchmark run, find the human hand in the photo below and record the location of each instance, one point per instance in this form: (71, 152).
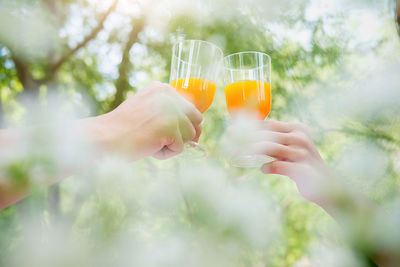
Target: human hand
(297, 157)
(156, 121)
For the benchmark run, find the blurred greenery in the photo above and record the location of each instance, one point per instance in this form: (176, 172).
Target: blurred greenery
(100, 52)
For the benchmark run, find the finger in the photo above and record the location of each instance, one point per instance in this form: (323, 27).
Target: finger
(287, 139)
(152, 86)
(171, 148)
(276, 126)
(198, 133)
(278, 151)
(279, 167)
(192, 112)
(176, 144)
(189, 109)
(187, 130)
(283, 127)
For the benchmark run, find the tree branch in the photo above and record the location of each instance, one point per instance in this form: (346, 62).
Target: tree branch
(368, 132)
(52, 6)
(122, 83)
(1, 113)
(54, 201)
(22, 70)
(398, 15)
(88, 38)
(25, 77)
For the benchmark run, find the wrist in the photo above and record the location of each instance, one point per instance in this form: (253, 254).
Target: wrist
(97, 132)
(8, 137)
(340, 199)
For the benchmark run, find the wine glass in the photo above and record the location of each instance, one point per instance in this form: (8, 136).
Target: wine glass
(247, 78)
(194, 72)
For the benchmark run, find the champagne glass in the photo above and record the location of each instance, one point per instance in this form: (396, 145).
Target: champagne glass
(248, 92)
(194, 72)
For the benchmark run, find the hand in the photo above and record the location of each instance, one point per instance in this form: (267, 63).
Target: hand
(156, 121)
(297, 158)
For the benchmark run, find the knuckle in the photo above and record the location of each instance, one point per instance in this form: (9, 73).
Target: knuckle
(156, 84)
(303, 154)
(304, 139)
(188, 131)
(299, 138)
(283, 150)
(161, 87)
(274, 167)
(168, 123)
(198, 131)
(269, 124)
(199, 117)
(301, 135)
(192, 133)
(287, 139)
(192, 112)
(302, 127)
(170, 107)
(188, 107)
(291, 138)
(167, 88)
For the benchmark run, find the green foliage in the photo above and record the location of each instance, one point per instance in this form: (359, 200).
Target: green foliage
(102, 211)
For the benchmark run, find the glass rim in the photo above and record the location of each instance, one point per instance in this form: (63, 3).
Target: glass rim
(197, 41)
(248, 53)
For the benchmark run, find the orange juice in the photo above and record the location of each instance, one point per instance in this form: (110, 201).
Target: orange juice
(198, 91)
(251, 97)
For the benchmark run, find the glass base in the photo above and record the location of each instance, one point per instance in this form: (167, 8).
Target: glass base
(250, 161)
(194, 150)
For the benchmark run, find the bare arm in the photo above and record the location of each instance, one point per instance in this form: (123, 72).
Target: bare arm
(155, 122)
(299, 159)
(12, 190)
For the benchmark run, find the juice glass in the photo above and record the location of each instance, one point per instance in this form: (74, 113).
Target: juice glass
(248, 92)
(194, 72)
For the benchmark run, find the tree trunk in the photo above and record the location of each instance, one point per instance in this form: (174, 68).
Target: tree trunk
(2, 118)
(398, 15)
(54, 201)
(32, 86)
(122, 83)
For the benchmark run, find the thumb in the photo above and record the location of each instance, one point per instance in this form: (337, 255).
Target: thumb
(165, 153)
(176, 145)
(173, 148)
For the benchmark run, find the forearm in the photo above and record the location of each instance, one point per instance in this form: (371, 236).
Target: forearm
(11, 195)
(361, 219)
(359, 216)
(18, 159)
(341, 201)
(8, 138)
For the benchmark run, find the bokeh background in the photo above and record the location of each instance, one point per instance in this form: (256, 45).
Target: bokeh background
(335, 67)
